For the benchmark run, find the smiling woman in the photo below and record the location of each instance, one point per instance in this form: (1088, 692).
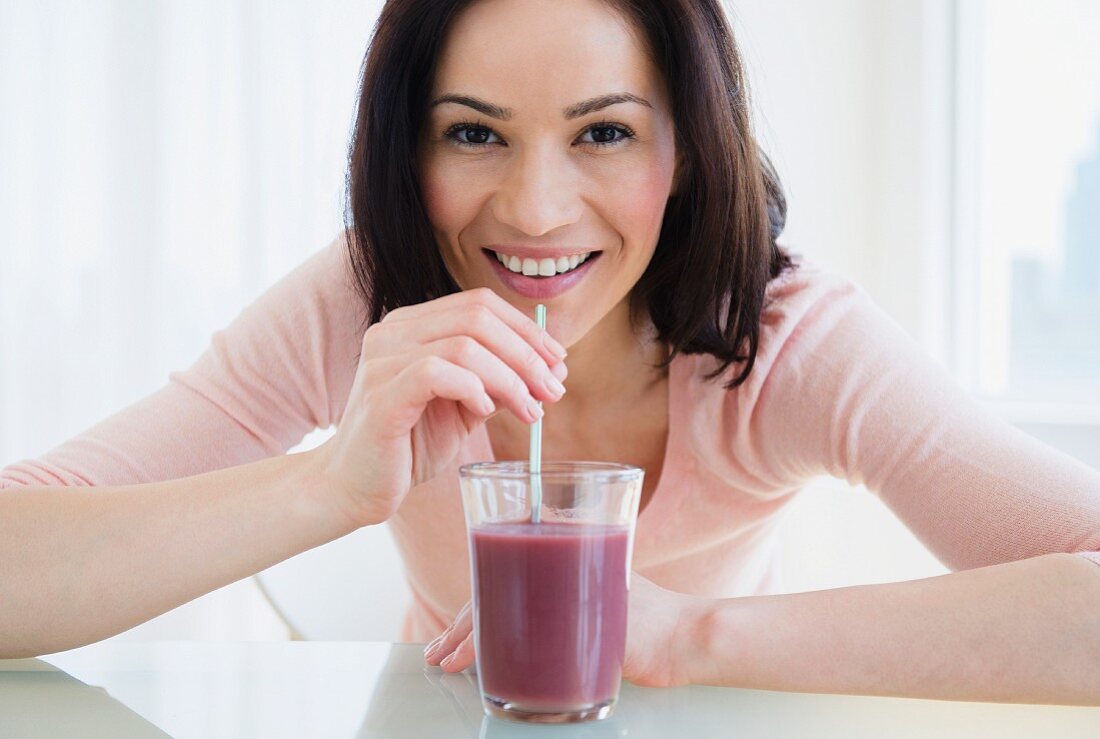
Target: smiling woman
(597, 157)
(582, 154)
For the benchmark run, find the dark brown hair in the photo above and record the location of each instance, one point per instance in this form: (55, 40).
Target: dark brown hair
(704, 288)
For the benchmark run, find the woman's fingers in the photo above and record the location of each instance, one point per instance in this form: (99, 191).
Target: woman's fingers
(445, 644)
(462, 657)
(425, 379)
(484, 315)
(522, 324)
(501, 381)
(471, 340)
(438, 649)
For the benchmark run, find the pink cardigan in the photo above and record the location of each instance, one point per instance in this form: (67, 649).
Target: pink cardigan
(838, 389)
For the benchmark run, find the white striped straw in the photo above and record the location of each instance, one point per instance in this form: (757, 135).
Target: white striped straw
(536, 442)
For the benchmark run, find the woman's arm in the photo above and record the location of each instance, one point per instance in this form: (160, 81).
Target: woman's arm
(90, 562)
(84, 563)
(1026, 631)
(92, 538)
(282, 368)
(853, 396)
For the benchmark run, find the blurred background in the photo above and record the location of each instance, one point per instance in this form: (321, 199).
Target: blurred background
(162, 163)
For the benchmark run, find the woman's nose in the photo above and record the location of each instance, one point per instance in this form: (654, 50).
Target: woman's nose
(538, 195)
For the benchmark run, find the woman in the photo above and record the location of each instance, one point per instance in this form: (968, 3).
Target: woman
(597, 157)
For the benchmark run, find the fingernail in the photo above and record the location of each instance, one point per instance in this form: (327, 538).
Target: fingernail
(487, 405)
(534, 409)
(560, 371)
(447, 662)
(554, 387)
(555, 348)
(430, 650)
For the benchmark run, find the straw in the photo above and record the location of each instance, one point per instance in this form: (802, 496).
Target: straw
(536, 442)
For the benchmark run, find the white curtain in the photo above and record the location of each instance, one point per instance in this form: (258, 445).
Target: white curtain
(161, 163)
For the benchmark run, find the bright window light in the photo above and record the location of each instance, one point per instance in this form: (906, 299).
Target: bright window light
(1034, 129)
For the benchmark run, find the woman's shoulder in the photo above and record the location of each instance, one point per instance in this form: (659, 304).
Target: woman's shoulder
(300, 339)
(798, 291)
(807, 308)
(324, 275)
(317, 298)
(801, 304)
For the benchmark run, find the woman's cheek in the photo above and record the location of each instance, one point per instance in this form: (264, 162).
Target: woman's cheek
(641, 195)
(440, 187)
(435, 192)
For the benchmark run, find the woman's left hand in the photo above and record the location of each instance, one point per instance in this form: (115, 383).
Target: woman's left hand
(661, 635)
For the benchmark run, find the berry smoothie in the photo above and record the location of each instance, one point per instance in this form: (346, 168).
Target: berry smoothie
(551, 609)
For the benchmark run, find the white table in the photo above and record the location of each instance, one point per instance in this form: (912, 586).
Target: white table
(365, 689)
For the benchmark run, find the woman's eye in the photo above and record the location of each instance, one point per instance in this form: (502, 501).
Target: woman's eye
(602, 134)
(472, 135)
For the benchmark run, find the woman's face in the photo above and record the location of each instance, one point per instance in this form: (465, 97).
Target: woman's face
(548, 156)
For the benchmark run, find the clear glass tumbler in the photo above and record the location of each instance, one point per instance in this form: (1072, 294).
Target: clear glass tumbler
(550, 598)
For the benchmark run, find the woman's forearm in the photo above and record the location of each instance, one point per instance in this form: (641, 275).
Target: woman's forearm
(80, 564)
(1026, 631)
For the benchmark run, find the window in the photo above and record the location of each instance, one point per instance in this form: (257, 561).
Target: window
(1028, 205)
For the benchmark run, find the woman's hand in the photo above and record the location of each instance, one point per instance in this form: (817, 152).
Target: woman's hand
(660, 636)
(428, 375)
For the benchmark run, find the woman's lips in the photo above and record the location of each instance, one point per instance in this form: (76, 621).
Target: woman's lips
(540, 288)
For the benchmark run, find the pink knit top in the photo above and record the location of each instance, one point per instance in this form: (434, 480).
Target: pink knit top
(838, 389)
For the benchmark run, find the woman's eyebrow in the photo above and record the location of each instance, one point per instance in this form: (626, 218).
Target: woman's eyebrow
(599, 103)
(573, 111)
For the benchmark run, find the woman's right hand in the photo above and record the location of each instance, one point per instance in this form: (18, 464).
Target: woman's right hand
(428, 375)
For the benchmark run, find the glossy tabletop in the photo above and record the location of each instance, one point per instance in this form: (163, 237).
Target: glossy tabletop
(358, 689)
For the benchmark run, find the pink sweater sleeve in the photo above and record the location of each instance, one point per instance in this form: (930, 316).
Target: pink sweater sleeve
(282, 368)
(846, 392)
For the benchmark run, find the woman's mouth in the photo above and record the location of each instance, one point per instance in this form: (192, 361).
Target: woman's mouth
(545, 267)
(541, 277)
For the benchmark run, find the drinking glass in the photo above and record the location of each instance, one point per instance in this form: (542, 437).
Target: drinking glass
(550, 597)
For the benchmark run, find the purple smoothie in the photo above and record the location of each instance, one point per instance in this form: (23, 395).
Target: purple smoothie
(551, 612)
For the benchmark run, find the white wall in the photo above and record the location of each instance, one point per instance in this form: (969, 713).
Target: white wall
(853, 103)
(814, 86)
(164, 162)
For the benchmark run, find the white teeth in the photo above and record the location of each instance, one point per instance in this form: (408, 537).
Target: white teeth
(545, 267)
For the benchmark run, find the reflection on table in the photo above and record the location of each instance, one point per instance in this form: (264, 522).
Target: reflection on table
(358, 689)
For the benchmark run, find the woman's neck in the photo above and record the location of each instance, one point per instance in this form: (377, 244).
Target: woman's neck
(614, 383)
(614, 361)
